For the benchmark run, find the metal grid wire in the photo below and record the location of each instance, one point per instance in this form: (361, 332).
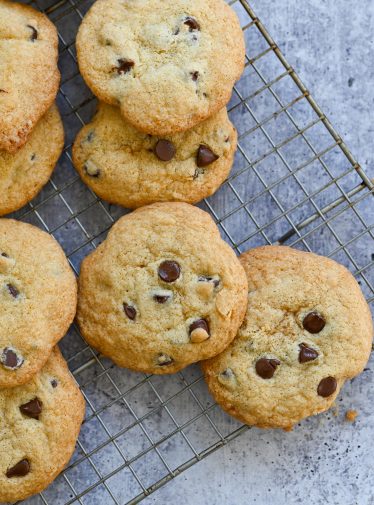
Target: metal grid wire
(294, 182)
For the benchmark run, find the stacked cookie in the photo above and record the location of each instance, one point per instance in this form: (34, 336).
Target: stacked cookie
(163, 290)
(28, 88)
(41, 407)
(164, 72)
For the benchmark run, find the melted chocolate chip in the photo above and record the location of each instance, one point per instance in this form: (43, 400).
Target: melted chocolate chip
(13, 290)
(327, 387)
(162, 296)
(124, 66)
(164, 360)
(34, 34)
(200, 323)
(21, 469)
(169, 271)
(130, 311)
(192, 24)
(10, 359)
(307, 353)
(54, 383)
(265, 367)
(204, 278)
(164, 150)
(205, 156)
(4, 255)
(32, 409)
(195, 76)
(314, 322)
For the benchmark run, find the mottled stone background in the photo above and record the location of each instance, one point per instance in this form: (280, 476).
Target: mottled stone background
(330, 44)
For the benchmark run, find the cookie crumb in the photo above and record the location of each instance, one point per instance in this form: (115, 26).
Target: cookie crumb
(351, 416)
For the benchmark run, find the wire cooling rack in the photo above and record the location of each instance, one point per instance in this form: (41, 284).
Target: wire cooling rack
(294, 182)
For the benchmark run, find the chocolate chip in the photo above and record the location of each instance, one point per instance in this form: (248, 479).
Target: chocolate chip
(165, 150)
(314, 322)
(307, 353)
(162, 296)
(204, 278)
(124, 66)
(169, 271)
(32, 157)
(194, 75)
(4, 255)
(90, 136)
(32, 409)
(192, 24)
(205, 156)
(227, 374)
(21, 469)
(34, 34)
(265, 367)
(200, 323)
(54, 383)
(13, 290)
(10, 359)
(130, 311)
(164, 360)
(327, 387)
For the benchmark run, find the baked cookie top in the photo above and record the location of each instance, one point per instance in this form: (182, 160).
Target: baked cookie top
(24, 173)
(168, 64)
(163, 291)
(38, 296)
(308, 329)
(29, 77)
(39, 426)
(133, 169)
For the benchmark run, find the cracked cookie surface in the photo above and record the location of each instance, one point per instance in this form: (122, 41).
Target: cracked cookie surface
(163, 291)
(24, 173)
(39, 426)
(133, 169)
(168, 65)
(38, 296)
(29, 77)
(307, 330)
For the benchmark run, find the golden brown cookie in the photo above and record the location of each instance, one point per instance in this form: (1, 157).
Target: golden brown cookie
(38, 296)
(24, 173)
(133, 169)
(29, 77)
(308, 329)
(163, 291)
(169, 65)
(39, 426)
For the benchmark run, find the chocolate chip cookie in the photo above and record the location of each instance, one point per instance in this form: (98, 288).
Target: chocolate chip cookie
(29, 77)
(308, 329)
(39, 426)
(38, 296)
(169, 65)
(24, 173)
(133, 169)
(162, 291)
